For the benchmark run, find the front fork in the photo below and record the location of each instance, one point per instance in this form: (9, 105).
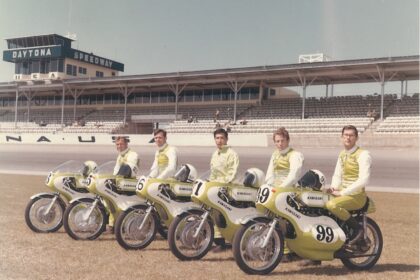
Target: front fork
(270, 233)
(364, 226)
(149, 211)
(200, 226)
(90, 210)
(51, 204)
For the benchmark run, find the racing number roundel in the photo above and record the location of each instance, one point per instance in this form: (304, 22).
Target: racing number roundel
(263, 195)
(197, 189)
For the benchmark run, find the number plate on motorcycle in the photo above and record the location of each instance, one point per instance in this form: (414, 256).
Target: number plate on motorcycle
(263, 195)
(324, 234)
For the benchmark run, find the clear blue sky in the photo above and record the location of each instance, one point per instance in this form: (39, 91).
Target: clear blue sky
(152, 36)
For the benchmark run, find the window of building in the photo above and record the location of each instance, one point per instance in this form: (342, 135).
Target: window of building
(69, 69)
(99, 74)
(82, 70)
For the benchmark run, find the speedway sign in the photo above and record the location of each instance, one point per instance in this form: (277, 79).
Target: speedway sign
(30, 53)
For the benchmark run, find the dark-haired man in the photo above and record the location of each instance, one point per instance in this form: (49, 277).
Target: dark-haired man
(166, 160)
(224, 168)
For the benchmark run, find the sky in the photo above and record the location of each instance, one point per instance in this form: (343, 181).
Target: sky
(158, 36)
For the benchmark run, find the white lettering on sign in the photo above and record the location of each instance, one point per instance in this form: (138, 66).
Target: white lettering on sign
(32, 53)
(92, 59)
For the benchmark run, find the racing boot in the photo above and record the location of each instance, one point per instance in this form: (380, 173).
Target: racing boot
(221, 245)
(357, 230)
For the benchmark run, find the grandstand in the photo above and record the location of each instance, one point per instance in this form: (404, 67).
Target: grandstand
(323, 115)
(187, 102)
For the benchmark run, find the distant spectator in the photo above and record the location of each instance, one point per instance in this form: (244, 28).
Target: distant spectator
(195, 120)
(243, 122)
(82, 122)
(42, 123)
(218, 125)
(190, 119)
(216, 115)
(98, 124)
(375, 115)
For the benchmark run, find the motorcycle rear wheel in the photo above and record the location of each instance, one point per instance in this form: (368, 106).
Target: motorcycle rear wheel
(180, 236)
(79, 228)
(248, 252)
(41, 222)
(126, 228)
(373, 246)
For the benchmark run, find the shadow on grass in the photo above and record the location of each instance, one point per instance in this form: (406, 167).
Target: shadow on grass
(217, 259)
(334, 270)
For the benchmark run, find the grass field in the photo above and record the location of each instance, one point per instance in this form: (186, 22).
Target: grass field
(28, 255)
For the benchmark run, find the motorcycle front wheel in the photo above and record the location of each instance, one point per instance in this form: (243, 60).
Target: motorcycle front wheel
(248, 250)
(371, 246)
(181, 238)
(127, 231)
(82, 222)
(41, 216)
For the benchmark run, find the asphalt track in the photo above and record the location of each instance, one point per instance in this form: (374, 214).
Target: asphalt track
(393, 170)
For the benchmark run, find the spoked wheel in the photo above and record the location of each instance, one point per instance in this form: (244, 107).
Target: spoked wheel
(127, 228)
(181, 238)
(370, 246)
(83, 221)
(248, 250)
(43, 216)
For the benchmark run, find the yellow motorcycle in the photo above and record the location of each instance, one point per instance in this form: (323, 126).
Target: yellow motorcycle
(191, 234)
(165, 198)
(312, 232)
(44, 212)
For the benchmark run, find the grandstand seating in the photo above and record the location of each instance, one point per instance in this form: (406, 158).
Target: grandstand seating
(32, 127)
(332, 107)
(322, 115)
(320, 125)
(407, 124)
(407, 106)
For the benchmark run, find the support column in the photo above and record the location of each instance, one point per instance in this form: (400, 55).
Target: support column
(260, 93)
(402, 89)
(382, 97)
(303, 100)
(234, 87)
(16, 106)
(326, 90)
(125, 104)
(304, 84)
(381, 80)
(28, 105)
(75, 95)
(406, 87)
(332, 90)
(177, 91)
(126, 93)
(62, 105)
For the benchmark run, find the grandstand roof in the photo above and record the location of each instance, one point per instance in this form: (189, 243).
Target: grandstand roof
(319, 73)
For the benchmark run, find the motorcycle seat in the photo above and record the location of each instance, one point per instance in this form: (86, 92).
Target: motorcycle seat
(363, 209)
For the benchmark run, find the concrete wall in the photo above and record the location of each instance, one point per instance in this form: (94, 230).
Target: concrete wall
(237, 140)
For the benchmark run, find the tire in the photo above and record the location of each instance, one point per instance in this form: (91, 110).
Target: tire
(247, 249)
(40, 222)
(79, 228)
(180, 236)
(126, 228)
(373, 246)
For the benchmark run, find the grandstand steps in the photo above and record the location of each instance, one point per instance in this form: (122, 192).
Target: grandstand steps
(242, 115)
